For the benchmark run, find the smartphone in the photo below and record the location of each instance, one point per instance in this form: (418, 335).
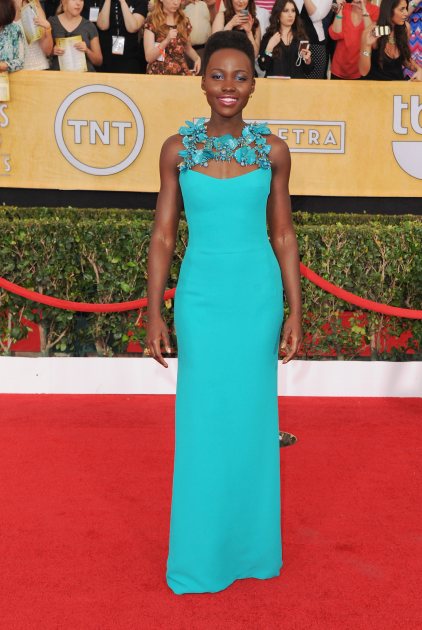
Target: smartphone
(379, 31)
(303, 45)
(244, 12)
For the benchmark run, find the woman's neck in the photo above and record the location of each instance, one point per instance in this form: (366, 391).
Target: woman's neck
(70, 19)
(170, 17)
(285, 32)
(220, 126)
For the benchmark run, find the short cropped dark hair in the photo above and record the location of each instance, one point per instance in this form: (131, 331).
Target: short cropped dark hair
(228, 39)
(7, 12)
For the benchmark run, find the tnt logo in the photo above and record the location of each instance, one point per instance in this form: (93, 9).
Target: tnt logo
(406, 122)
(99, 130)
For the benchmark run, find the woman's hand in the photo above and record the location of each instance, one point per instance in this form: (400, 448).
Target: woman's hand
(157, 333)
(81, 46)
(172, 34)
(418, 75)
(273, 41)
(247, 23)
(368, 37)
(3, 66)
(44, 23)
(237, 20)
(307, 56)
(292, 337)
(58, 51)
(197, 65)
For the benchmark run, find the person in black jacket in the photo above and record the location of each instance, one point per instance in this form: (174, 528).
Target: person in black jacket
(281, 52)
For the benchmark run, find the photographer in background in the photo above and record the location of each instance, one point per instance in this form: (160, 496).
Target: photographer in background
(347, 28)
(284, 48)
(383, 56)
(240, 15)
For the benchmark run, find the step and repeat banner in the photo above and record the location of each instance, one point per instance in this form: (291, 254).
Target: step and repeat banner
(90, 131)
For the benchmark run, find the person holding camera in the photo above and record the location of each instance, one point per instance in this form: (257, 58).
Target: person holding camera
(385, 48)
(285, 47)
(346, 30)
(239, 15)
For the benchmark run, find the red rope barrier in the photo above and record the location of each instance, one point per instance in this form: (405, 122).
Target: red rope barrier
(313, 277)
(67, 305)
(351, 298)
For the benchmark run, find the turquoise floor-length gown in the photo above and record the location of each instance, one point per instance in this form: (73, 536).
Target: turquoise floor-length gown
(225, 513)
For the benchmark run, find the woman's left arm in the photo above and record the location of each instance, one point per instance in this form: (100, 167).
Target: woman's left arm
(46, 41)
(133, 21)
(317, 9)
(192, 54)
(284, 243)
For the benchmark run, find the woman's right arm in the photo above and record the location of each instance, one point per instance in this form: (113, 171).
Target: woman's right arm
(103, 20)
(162, 245)
(335, 30)
(367, 43)
(152, 52)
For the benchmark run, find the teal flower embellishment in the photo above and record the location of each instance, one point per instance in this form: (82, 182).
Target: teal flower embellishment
(247, 134)
(225, 142)
(202, 156)
(259, 129)
(260, 141)
(245, 156)
(224, 148)
(196, 132)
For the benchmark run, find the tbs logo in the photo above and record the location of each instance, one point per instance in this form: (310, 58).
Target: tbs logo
(406, 117)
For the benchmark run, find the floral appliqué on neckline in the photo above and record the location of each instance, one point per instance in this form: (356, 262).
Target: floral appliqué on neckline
(224, 148)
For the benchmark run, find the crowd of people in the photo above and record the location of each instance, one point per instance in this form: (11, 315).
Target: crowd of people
(291, 38)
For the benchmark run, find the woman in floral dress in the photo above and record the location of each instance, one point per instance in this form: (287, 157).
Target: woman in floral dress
(167, 41)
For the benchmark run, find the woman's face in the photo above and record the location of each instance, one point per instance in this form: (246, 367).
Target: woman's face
(228, 82)
(288, 14)
(238, 5)
(171, 6)
(73, 7)
(400, 13)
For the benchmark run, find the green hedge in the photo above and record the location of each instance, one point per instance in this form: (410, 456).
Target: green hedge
(101, 256)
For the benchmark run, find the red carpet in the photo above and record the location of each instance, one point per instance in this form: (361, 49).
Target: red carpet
(85, 486)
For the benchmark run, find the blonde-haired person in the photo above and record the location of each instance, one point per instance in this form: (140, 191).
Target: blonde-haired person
(239, 15)
(69, 23)
(167, 40)
(36, 53)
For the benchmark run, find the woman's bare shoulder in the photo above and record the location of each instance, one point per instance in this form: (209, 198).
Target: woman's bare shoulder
(279, 153)
(170, 150)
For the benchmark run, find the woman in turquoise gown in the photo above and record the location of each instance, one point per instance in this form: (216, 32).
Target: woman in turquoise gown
(232, 179)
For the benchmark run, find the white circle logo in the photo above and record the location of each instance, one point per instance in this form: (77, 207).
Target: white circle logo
(99, 130)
